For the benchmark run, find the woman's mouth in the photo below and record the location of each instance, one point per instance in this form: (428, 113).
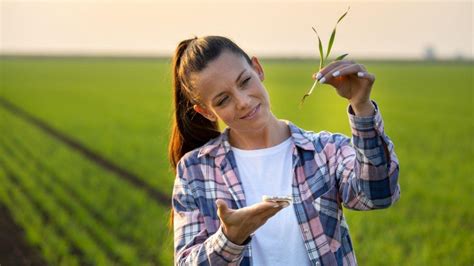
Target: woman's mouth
(252, 113)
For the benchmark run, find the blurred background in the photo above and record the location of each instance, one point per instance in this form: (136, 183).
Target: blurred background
(85, 115)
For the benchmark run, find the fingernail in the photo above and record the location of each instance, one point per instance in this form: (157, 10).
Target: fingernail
(276, 206)
(322, 80)
(360, 74)
(335, 74)
(318, 75)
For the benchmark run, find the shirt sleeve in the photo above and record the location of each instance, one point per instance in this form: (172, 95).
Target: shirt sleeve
(193, 245)
(367, 166)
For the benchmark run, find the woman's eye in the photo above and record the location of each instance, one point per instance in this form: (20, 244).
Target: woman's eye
(222, 101)
(245, 81)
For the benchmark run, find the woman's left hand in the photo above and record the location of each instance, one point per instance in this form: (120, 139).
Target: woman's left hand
(352, 81)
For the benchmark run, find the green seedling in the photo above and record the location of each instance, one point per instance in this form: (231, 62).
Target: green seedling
(322, 58)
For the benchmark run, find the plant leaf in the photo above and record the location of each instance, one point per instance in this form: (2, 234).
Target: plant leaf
(321, 51)
(331, 41)
(341, 57)
(321, 54)
(333, 35)
(343, 15)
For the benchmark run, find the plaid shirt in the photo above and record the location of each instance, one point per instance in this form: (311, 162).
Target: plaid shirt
(330, 171)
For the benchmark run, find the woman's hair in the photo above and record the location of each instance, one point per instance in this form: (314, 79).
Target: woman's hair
(190, 129)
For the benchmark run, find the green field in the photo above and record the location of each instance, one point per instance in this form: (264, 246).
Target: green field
(75, 212)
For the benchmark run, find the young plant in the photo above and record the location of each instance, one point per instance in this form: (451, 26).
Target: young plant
(322, 58)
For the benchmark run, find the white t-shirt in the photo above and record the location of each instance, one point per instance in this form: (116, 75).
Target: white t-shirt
(269, 172)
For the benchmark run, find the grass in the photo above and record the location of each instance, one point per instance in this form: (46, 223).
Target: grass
(121, 109)
(116, 106)
(102, 219)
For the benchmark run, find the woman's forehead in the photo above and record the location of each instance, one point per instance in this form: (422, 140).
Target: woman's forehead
(220, 73)
(223, 70)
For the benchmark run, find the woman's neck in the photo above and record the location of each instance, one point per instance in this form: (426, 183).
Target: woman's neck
(272, 134)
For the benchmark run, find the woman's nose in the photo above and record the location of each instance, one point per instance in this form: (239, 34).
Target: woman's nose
(243, 100)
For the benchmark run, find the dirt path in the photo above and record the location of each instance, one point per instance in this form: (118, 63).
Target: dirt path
(13, 247)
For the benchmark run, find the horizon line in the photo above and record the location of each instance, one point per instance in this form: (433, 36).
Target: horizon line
(166, 57)
(263, 57)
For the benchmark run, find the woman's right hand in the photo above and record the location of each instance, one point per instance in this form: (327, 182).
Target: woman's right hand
(239, 224)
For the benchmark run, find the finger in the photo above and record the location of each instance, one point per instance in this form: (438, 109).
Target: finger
(344, 70)
(262, 207)
(222, 207)
(366, 75)
(277, 208)
(270, 213)
(267, 205)
(323, 72)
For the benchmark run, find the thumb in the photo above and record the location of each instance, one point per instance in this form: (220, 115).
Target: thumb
(222, 207)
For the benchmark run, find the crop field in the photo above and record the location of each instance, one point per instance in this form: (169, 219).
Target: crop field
(85, 179)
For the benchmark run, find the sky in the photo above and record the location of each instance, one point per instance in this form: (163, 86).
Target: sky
(265, 28)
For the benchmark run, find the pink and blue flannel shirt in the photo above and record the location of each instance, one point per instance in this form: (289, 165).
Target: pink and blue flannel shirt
(330, 171)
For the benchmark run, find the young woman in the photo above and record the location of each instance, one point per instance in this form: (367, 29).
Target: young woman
(219, 215)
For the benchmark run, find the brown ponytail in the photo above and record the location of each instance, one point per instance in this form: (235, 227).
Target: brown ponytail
(190, 129)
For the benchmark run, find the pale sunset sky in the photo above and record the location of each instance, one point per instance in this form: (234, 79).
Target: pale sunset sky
(372, 29)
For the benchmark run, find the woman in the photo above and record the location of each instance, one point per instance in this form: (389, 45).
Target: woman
(219, 217)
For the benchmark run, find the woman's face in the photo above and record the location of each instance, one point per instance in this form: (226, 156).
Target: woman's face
(232, 90)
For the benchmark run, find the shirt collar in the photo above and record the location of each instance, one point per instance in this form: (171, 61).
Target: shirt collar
(220, 145)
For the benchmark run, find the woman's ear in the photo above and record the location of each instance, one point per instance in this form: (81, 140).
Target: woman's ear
(205, 112)
(258, 68)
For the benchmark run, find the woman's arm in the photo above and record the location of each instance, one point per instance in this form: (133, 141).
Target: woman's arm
(367, 167)
(194, 244)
